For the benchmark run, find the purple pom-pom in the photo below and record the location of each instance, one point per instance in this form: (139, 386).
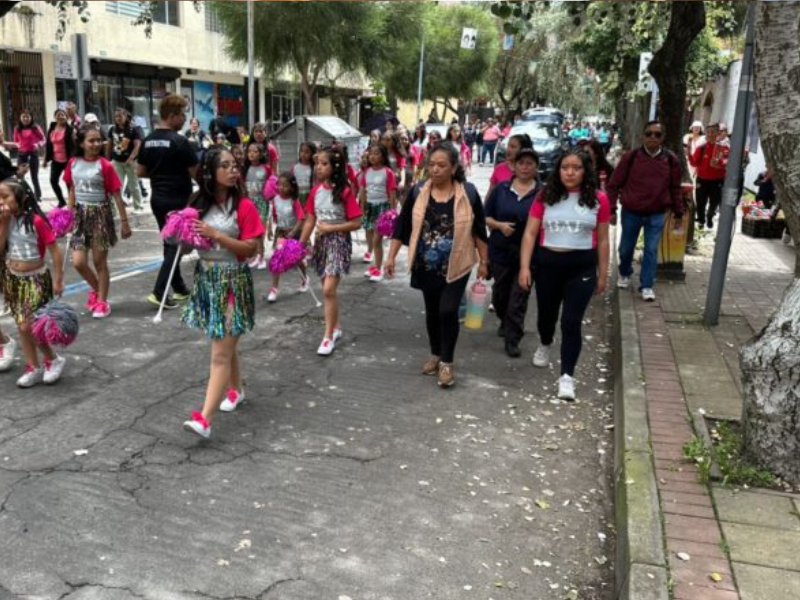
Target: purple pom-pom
(385, 223)
(287, 256)
(55, 324)
(61, 220)
(179, 229)
(271, 188)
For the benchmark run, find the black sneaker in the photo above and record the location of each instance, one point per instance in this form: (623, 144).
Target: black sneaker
(169, 304)
(512, 349)
(501, 331)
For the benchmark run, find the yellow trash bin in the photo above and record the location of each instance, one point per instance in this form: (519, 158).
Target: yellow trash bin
(672, 247)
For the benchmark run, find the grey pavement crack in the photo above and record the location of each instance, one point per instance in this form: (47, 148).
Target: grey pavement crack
(77, 586)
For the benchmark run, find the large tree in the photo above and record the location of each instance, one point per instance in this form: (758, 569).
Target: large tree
(451, 72)
(770, 363)
(306, 37)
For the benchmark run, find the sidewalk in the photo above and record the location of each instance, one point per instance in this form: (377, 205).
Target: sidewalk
(749, 540)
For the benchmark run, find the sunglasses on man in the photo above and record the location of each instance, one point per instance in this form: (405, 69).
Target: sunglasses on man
(655, 134)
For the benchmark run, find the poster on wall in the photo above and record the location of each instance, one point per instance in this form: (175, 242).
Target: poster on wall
(204, 103)
(230, 103)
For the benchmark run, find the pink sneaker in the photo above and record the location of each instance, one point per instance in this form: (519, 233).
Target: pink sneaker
(101, 310)
(198, 425)
(92, 300)
(372, 272)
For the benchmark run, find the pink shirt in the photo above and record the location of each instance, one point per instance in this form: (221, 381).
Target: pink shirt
(59, 145)
(501, 173)
(491, 134)
(28, 139)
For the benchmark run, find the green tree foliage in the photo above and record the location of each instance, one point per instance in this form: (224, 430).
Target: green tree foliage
(303, 36)
(450, 71)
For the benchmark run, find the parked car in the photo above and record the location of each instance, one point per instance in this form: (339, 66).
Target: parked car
(543, 115)
(548, 141)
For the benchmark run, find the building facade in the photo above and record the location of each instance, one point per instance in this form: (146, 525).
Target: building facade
(185, 54)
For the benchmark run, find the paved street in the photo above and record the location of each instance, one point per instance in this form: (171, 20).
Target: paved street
(348, 477)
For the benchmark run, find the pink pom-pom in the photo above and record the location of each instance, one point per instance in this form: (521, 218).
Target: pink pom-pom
(61, 220)
(287, 256)
(179, 229)
(385, 222)
(271, 188)
(55, 324)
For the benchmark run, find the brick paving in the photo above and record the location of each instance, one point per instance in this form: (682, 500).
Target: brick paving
(687, 367)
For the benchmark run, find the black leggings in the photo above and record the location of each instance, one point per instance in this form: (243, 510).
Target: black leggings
(441, 316)
(170, 250)
(56, 169)
(567, 278)
(32, 160)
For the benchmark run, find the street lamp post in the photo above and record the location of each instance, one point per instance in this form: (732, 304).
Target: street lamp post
(251, 83)
(419, 83)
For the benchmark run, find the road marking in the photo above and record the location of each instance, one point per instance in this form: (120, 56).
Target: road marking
(124, 273)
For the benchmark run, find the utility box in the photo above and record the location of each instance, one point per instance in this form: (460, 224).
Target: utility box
(322, 130)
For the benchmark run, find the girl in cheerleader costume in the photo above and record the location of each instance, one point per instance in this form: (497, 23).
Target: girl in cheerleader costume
(25, 234)
(222, 302)
(303, 170)
(91, 179)
(256, 173)
(332, 209)
(378, 194)
(287, 212)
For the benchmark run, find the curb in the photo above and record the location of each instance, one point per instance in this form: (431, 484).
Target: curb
(641, 565)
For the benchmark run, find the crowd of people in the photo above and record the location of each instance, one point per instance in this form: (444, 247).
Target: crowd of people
(551, 237)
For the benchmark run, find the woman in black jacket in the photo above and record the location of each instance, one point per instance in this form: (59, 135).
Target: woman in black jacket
(59, 148)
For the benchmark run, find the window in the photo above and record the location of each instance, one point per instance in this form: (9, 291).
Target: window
(212, 19)
(163, 12)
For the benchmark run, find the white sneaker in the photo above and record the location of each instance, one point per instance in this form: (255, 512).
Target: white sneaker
(367, 258)
(198, 425)
(648, 295)
(273, 295)
(31, 377)
(53, 369)
(304, 283)
(253, 262)
(326, 347)
(262, 264)
(377, 276)
(7, 352)
(623, 283)
(566, 388)
(233, 398)
(541, 358)
(337, 335)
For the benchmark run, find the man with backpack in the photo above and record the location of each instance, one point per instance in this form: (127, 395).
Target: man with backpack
(647, 183)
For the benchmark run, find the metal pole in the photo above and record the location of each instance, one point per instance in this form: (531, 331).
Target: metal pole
(419, 84)
(727, 210)
(251, 95)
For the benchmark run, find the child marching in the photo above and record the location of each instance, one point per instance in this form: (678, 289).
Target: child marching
(288, 215)
(222, 302)
(27, 285)
(303, 170)
(256, 174)
(378, 194)
(332, 210)
(91, 179)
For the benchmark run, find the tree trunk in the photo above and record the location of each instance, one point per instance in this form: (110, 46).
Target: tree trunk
(309, 107)
(770, 363)
(668, 67)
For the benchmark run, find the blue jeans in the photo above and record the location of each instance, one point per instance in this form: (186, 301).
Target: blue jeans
(632, 224)
(488, 148)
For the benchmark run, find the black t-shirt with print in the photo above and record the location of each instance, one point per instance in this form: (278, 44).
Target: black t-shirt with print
(122, 139)
(168, 157)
